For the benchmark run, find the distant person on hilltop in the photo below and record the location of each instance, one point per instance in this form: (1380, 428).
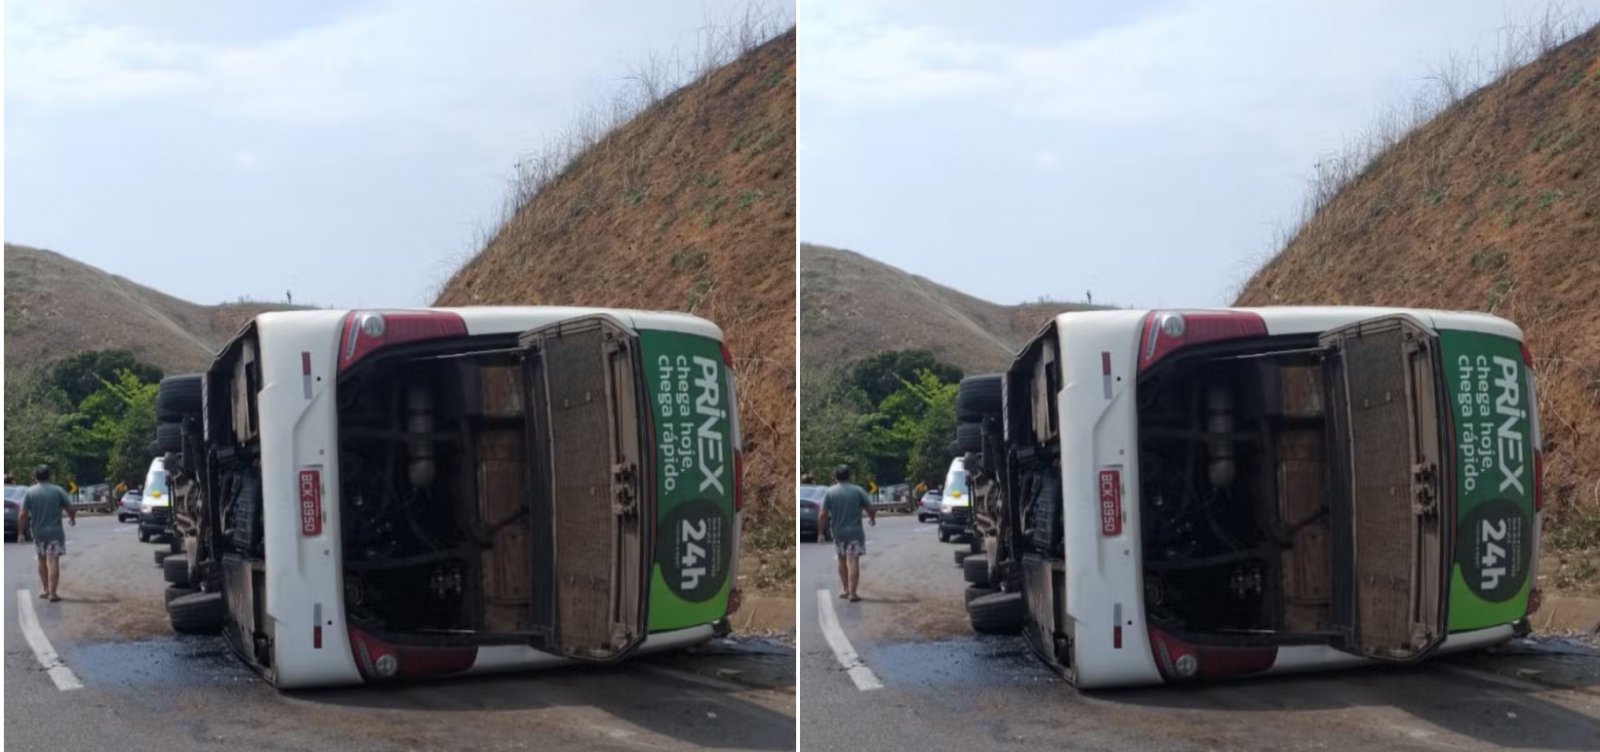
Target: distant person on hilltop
(42, 508)
(288, 296)
(842, 507)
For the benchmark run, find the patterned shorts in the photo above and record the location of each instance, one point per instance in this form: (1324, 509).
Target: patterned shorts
(50, 547)
(850, 548)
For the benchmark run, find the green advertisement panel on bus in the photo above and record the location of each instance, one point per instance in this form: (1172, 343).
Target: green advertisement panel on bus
(692, 417)
(1493, 419)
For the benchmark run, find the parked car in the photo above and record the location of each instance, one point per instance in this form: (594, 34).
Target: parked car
(928, 506)
(810, 508)
(14, 496)
(128, 506)
(1208, 494)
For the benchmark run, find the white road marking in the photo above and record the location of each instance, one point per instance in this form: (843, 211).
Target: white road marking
(834, 634)
(29, 621)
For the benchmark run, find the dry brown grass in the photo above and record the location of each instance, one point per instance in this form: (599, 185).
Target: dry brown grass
(57, 307)
(690, 206)
(1493, 205)
(853, 307)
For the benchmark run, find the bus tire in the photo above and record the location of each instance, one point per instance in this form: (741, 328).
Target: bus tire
(997, 613)
(978, 396)
(969, 437)
(175, 592)
(975, 592)
(975, 569)
(178, 397)
(161, 556)
(169, 437)
(175, 569)
(196, 613)
(962, 555)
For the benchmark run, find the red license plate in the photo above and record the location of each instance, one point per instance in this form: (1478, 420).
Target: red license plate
(1110, 502)
(310, 502)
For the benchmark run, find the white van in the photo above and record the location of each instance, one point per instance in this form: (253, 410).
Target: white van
(1173, 495)
(378, 495)
(155, 504)
(955, 508)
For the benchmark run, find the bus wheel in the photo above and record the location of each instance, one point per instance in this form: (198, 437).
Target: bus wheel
(196, 613)
(998, 613)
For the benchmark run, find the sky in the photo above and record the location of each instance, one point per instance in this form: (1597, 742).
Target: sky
(1146, 153)
(347, 152)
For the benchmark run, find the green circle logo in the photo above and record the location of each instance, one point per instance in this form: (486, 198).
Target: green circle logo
(1495, 548)
(694, 548)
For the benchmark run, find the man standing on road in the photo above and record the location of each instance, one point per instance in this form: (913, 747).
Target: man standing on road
(842, 507)
(42, 507)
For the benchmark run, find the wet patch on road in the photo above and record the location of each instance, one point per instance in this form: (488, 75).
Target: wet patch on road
(972, 661)
(164, 661)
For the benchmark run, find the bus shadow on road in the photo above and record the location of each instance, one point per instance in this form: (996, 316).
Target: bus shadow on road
(1489, 709)
(654, 694)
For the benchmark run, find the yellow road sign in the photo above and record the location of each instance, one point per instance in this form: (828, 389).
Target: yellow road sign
(873, 487)
(72, 487)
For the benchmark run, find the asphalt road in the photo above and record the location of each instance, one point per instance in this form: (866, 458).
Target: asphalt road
(145, 688)
(944, 688)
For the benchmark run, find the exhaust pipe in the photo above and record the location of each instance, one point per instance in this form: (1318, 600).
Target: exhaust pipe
(419, 447)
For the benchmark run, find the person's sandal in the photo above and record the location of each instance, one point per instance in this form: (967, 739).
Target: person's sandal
(45, 596)
(55, 599)
(845, 596)
(855, 599)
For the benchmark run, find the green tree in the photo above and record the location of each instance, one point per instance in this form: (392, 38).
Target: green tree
(104, 435)
(904, 436)
(884, 374)
(36, 429)
(83, 374)
(930, 455)
(833, 429)
(130, 435)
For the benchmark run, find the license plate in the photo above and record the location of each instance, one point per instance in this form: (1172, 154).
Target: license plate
(310, 502)
(1110, 502)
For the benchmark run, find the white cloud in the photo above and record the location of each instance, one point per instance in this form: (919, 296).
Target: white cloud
(246, 160)
(1254, 63)
(470, 68)
(55, 58)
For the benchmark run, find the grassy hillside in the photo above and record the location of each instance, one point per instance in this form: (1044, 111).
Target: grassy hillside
(853, 307)
(56, 307)
(1494, 205)
(690, 206)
